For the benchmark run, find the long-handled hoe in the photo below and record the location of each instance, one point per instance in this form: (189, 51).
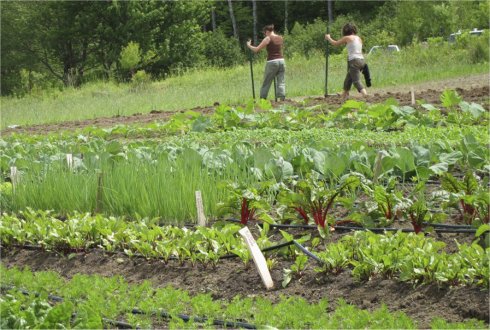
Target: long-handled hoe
(275, 90)
(327, 50)
(252, 73)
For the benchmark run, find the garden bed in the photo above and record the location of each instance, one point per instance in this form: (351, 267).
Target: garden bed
(231, 277)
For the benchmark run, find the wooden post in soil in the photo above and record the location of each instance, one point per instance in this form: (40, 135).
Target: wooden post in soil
(258, 257)
(201, 218)
(377, 167)
(14, 177)
(412, 93)
(98, 197)
(69, 161)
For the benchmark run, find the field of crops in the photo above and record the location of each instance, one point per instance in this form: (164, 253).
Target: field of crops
(370, 214)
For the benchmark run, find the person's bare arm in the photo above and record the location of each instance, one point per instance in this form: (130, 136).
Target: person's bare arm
(339, 42)
(263, 44)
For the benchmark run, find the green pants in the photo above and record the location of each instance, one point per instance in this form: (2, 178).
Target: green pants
(353, 76)
(274, 69)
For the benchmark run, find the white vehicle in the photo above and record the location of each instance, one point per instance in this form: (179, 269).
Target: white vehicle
(476, 32)
(453, 36)
(389, 48)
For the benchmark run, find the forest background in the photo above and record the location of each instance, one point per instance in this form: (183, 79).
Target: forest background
(59, 44)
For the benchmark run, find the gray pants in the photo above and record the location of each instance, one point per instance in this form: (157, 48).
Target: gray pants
(274, 69)
(353, 76)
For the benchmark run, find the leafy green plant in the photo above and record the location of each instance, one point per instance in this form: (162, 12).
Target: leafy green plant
(335, 260)
(312, 198)
(459, 111)
(388, 203)
(296, 269)
(482, 235)
(418, 210)
(468, 197)
(247, 199)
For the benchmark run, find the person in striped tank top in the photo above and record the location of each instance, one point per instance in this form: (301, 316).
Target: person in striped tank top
(275, 66)
(355, 59)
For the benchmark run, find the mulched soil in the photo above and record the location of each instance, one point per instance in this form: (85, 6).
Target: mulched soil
(231, 278)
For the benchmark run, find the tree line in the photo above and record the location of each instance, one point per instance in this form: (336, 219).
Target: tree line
(67, 43)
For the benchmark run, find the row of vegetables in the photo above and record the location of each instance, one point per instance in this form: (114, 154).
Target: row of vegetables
(379, 117)
(43, 300)
(154, 191)
(136, 172)
(409, 257)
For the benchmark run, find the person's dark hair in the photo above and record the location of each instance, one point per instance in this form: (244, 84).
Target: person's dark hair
(269, 28)
(349, 29)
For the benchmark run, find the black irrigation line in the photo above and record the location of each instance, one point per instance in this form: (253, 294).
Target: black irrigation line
(118, 324)
(270, 248)
(308, 253)
(137, 255)
(442, 225)
(450, 211)
(136, 311)
(449, 229)
(187, 318)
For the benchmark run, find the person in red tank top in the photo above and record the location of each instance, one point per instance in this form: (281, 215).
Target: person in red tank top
(275, 66)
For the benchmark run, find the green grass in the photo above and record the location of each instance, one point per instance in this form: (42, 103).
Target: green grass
(204, 87)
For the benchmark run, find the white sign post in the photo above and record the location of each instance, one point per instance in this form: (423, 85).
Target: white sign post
(69, 161)
(14, 176)
(258, 257)
(201, 218)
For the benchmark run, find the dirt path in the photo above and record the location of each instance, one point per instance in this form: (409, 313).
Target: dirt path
(473, 88)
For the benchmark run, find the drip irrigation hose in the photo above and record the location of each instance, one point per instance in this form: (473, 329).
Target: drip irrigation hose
(136, 311)
(455, 231)
(118, 324)
(187, 318)
(270, 248)
(137, 255)
(308, 253)
(464, 230)
(442, 225)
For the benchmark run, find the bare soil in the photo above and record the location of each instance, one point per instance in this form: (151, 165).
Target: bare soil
(472, 88)
(231, 278)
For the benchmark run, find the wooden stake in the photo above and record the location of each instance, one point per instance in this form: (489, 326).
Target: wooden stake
(258, 257)
(412, 92)
(201, 218)
(98, 198)
(14, 176)
(69, 161)
(377, 166)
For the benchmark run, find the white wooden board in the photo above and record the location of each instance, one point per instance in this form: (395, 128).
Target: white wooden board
(258, 257)
(201, 218)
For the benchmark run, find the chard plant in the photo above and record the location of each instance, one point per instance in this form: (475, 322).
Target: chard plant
(468, 197)
(418, 214)
(249, 201)
(482, 235)
(313, 200)
(418, 211)
(388, 203)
